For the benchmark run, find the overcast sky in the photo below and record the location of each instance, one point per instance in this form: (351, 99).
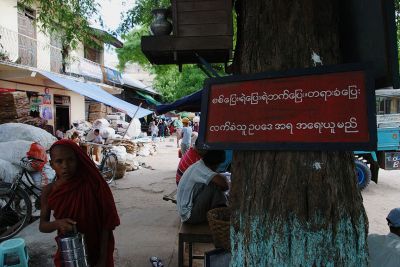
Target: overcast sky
(111, 13)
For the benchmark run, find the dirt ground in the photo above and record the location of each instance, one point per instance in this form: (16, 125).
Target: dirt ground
(149, 225)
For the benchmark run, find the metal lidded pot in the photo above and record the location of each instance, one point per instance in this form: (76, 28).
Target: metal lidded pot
(73, 250)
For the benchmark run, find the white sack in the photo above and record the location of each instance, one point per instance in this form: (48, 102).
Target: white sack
(39, 178)
(8, 171)
(14, 151)
(107, 133)
(100, 123)
(135, 129)
(20, 131)
(130, 159)
(120, 151)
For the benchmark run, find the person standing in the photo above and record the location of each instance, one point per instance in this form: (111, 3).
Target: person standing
(80, 198)
(178, 128)
(153, 130)
(384, 250)
(162, 128)
(186, 136)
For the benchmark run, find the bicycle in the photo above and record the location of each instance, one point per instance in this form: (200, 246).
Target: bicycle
(108, 163)
(16, 204)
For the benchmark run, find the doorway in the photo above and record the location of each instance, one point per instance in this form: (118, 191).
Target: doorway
(62, 112)
(62, 117)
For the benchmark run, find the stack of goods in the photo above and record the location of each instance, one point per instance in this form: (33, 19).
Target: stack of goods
(82, 127)
(14, 107)
(146, 148)
(19, 140)
(120, 151)
(117, 122)
(131, 147)
(97, 111)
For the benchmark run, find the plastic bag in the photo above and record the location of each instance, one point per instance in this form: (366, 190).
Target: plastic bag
(39, 156)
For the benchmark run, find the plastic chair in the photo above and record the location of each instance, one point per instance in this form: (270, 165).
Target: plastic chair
(13, 253)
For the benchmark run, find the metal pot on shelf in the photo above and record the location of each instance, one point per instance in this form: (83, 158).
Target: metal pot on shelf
(160, 25)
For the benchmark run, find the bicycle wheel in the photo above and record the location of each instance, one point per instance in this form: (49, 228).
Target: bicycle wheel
(109, 167)
(15, 211)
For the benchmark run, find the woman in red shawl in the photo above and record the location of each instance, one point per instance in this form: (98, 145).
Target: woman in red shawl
(79, 196)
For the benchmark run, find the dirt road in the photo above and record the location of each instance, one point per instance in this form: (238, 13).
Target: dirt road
(149, 225)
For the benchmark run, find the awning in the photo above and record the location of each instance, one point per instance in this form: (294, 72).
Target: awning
(96, 93)
(188, 103)
(148, 98)
(387, 92)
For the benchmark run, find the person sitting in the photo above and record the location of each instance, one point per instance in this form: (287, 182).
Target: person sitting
(79, 197)
(97, 149)
(201, 188)
(60, 133)
(384, 250)
(75, 137)
(192, 156)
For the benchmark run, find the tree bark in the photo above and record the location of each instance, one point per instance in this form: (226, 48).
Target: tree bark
(293, 208)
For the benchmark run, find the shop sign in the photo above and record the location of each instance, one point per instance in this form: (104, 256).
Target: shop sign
(326, 108)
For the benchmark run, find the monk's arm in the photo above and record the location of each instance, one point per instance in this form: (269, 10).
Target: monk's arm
(45, 226)
(105, 236)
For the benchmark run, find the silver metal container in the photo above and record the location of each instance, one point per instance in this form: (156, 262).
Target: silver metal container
(73, 250)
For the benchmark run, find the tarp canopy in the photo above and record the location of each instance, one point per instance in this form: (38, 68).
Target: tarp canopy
(149, 99)
(96, 93)
(190, 102)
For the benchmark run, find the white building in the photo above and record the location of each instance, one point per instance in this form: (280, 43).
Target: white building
(31, 61)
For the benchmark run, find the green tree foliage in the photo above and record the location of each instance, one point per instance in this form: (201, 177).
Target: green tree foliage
(171, 83)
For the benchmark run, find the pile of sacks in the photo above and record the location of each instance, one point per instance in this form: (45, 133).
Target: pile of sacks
(81, 126)
(127, 151)
(106, 132)
(18, 141)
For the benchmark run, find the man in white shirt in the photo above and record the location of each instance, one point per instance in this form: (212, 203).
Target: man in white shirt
(384, 250)
(201, 188)
(97, 149)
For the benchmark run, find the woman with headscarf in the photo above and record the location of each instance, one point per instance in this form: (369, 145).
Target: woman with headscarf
(79, 196)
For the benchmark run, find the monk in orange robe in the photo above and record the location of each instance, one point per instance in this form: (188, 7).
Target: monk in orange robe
(79, 196)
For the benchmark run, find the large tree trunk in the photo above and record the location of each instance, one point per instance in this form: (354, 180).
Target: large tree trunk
(293, 208)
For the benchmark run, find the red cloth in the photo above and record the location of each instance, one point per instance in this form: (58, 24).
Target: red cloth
(87, 199)
(190, 157)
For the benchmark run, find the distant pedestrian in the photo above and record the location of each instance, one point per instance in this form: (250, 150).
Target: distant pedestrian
(153, 130)
(178, 125)
(186, 136)
(162, 126)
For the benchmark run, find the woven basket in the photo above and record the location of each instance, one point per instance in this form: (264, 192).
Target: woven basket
(120, 172)
(219, 221)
